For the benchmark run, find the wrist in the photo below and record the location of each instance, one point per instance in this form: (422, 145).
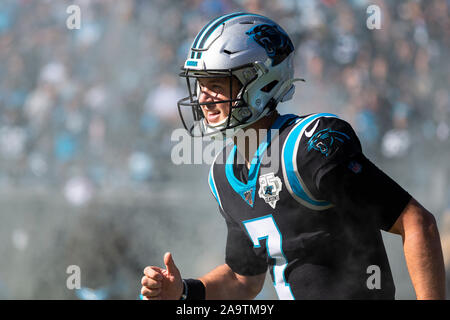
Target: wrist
(193, 289)
(184, 292)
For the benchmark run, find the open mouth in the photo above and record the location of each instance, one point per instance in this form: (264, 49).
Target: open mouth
(213, 116)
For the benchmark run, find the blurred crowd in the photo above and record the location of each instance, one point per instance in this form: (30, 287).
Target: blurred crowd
(93, 109)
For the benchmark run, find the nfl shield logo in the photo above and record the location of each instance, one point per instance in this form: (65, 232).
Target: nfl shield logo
(356, 167)
(270, 187)
(248, 196)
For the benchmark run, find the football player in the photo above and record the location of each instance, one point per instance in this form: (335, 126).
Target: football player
(314, 220)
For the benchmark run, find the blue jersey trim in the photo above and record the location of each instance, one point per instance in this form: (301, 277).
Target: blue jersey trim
(241, 188)
(212, 183)
(292, 175)
(213, 188)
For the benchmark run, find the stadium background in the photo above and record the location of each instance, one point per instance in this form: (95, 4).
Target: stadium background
(86, 117)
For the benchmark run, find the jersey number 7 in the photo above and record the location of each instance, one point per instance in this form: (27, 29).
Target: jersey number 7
(266, 228)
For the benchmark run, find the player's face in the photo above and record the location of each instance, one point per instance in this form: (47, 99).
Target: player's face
(216, 90)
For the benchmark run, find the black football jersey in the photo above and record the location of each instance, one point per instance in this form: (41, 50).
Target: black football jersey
(310, 208)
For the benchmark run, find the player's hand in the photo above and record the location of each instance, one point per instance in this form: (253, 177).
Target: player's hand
(162, 284)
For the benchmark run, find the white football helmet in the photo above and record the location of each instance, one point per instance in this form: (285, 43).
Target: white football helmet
(249, 47)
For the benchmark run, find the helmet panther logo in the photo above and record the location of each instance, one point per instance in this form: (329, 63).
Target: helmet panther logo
(324, 140)
(274, 40)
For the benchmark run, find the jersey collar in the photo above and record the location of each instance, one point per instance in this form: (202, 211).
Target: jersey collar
(247, 191)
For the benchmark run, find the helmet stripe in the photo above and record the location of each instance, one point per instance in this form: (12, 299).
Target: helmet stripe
(198, 37)
(201, 32)
(217, 24)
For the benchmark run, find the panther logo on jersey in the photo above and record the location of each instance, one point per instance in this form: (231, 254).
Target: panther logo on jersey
(324, 140)
(270, 187)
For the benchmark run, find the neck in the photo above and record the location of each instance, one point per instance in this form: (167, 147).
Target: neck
(248, 140)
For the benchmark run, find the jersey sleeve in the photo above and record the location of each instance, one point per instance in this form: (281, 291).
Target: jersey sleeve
(334, 169)
(239, 253)
(332, 142)
(366, 192)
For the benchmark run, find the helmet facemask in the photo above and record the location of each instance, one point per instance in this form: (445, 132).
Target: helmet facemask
(190, 108)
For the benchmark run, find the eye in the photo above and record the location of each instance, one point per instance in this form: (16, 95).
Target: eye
(212, 87)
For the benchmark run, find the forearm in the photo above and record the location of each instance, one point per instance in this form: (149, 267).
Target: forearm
(223, 284)
(423, 254)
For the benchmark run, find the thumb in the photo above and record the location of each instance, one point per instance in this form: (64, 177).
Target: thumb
(170, 264)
